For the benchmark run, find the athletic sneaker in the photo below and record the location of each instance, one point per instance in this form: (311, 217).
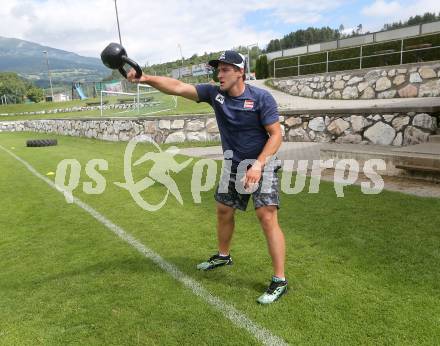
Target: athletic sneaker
(276, 289)
(214, 262)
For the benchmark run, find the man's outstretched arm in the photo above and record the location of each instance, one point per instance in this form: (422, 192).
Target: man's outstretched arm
(167, 85)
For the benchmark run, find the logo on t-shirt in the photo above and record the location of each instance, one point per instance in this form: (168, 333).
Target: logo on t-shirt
(248, 104)
(220, 98)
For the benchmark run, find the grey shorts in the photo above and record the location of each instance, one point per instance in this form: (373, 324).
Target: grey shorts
(266, 194)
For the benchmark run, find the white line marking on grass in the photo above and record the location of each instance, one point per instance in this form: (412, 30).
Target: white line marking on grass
(235, 316)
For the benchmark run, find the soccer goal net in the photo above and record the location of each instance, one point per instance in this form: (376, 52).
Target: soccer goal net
(145, 101)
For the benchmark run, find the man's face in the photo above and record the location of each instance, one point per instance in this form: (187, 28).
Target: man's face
(228, 76)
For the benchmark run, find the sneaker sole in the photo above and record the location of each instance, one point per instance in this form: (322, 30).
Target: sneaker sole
(216, 266)
(283, 293)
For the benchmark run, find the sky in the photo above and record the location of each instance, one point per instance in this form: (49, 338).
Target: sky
(152, 31)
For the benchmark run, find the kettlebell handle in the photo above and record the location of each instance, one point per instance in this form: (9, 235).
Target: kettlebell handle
(133, 64)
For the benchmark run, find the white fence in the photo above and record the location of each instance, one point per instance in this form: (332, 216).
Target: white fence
(389, 52)
(421, 29)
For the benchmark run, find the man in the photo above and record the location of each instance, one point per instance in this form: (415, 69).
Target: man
(249, 127)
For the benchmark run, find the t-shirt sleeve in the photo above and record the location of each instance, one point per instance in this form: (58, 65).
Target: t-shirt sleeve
(269, 110)
(204, 92)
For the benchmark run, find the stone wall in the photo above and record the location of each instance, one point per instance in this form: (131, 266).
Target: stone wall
(402, 81)
(401, 128)
(162, 130)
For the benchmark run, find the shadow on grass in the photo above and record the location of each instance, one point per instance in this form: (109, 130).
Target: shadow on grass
(131, 265)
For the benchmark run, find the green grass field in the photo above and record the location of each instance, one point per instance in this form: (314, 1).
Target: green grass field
(363, 269)
(184, 106)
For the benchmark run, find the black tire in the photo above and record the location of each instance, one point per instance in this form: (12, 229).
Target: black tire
(41, 142)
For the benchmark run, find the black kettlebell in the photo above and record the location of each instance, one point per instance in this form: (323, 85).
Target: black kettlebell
(114, 56)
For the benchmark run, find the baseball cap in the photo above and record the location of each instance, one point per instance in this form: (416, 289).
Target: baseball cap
(229, 57)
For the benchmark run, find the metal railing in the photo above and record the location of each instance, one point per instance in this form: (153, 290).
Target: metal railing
(360, 57)
(375, 37)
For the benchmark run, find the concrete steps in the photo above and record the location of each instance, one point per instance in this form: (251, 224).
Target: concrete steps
(421, 161)
(434, 138)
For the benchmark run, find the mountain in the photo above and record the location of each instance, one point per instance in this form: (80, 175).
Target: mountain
(28, 60)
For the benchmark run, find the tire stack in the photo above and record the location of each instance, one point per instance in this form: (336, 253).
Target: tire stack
(41, 142)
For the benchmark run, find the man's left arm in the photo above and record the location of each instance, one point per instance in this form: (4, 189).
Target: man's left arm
(272, 145)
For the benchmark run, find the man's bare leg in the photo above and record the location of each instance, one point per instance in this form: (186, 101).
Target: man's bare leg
(268, 216)
(225, 227)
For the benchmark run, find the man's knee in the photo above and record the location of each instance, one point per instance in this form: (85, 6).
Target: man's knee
(225, 212)
(267, 215)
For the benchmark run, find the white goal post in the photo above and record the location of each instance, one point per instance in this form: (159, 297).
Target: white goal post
(151, 90)
(141, 102)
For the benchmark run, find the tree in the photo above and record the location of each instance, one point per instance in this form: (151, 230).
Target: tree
(258, 68)
(417, 19)
(261, 69)
(13, 86)
(35, 94)
(215, 76)
(302, 38)
(17, 89)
